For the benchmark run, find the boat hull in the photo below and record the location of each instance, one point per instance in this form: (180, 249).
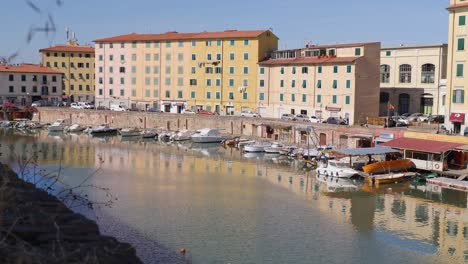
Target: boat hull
(388, 166)
(207, 139)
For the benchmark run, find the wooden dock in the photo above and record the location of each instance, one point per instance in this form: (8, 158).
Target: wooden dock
(449, 183)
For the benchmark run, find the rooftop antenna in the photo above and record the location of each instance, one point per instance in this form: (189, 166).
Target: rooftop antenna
(67, 30)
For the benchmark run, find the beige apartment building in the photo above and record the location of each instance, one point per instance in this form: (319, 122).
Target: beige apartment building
(76, 62)
(457, 84)
(412, 79)
(324, 81)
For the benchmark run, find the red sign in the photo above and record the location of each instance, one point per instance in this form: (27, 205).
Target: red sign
(457, 117)
(333, 109)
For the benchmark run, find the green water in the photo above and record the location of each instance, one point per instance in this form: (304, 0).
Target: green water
(226, 207)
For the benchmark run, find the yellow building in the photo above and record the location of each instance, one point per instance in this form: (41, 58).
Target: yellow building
(175, 71)
(325, 81)
(457, 84)
(76, 62)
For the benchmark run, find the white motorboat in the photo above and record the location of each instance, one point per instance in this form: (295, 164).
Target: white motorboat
(75, 128)
(287, 150)
(333, 168)
(316, 152)
(274, 148)
(181, 135)
(149, 133)
(244, 142)
(164, 136)
(257, 147)
(130, 132)
(208, 135)
(58, 125)
(103, 129)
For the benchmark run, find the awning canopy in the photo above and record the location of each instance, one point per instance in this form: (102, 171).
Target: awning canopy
(457, 117)
(366, 151)
(421, 145)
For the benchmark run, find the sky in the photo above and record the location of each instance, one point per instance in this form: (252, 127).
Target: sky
(295, 22)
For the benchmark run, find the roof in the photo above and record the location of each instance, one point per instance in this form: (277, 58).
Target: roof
(454, 6)
(416, 46)
(423, 145)
(69, 48)
(342, 45)
(184, 36)
(308, 60)
(366, 151)
(28, 68)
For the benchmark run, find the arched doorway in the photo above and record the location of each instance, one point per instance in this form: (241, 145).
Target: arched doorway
(383, 106)
(403, 103)
(427, 101)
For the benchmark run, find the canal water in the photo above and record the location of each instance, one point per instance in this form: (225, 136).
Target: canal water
(227, 207)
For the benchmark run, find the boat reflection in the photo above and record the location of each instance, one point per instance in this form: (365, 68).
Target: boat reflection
(334, 184)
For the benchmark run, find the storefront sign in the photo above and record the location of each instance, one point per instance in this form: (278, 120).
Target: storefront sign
(457, 117)
(333, 109)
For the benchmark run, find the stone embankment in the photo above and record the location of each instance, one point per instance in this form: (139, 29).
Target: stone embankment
(36, 227)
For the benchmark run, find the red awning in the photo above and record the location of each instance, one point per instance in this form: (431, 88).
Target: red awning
(422, 145)
(457, 117)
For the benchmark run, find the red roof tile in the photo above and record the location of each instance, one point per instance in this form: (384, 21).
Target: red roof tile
(69, 48)
(421, 145)
(457, 6)
(308, 60)
(28, 68)
(183, 36)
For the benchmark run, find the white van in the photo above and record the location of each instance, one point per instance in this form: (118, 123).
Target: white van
(85, 105)
(118, 108)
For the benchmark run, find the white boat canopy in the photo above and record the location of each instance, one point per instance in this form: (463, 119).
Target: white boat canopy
(366, 151)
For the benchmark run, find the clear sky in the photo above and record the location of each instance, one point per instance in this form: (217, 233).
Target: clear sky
(393, 22)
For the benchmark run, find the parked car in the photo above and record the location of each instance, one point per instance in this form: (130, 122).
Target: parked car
(288, 117)
(204, 112)
(153, 110)
(436, 119)
(314, 119)
(76, 106)
(465, 132)
(423, 118)
(335, 121)
(405, 115)
(187, 111)
(302, 118)
(85, 105)
(101, 107)
(414, 117)
(399, 121)
(118, 108)
(249, 114)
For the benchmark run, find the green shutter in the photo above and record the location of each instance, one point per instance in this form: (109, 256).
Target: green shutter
(304, 98)
(293, 97)
(459, 70)
(304, 84)
(348, 83)
(282, 83)
(454, 97)
(293, 83)
(335, 84)
(348, 99)
(335, 69)
(348, 68)
(319, 98)
(192, 94)
(462, 96)
(461, 44)
(357, 51)
(461, 20)
(262, 97)
(388, 53)
(281, 97)
(319, 69)
(334, 99)
(319, 84)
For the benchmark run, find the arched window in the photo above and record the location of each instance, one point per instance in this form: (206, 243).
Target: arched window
(427, 73)
(384, 73)
(405, 73)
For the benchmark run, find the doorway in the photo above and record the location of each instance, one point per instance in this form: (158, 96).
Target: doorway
(323, 139)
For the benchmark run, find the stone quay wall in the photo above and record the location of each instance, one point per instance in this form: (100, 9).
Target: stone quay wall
(276, 129)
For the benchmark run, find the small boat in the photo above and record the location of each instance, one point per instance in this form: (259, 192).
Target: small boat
(130, 132)
(388, 166)
(287, 150)
(337, 169)
(164, 136)
(389, 177)
(208, 135)
(149, 133)
(274, 148)
(230, 142)
(316, 152)
(103, 129)
(75, 128)
(256, 147)
(34, 125)
(58, 125)
(181, 135)
(244, 142)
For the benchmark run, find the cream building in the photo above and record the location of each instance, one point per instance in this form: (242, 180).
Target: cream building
(412, 79)
(457, 84)
(325, 81)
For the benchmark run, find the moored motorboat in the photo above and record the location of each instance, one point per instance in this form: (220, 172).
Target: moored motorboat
(58, 125)
(286, 150)
(208, 135)
(389, 177)
(103, 129)
(130, 132)
(181, 135)
(75, 128)
(388, 166)
(149, 133)
(337, 169)
(256, 147)
(274, 148)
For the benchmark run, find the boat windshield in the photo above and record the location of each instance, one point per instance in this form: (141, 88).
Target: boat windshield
(338, 164)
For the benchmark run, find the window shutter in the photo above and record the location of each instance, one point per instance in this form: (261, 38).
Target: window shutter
(454, 98)
(462, 96)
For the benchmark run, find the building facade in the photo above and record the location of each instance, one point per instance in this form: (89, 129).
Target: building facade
(175, 71)
(324, 81)
(77, 65)
(25, 83)
(412, 79)
(457, 84)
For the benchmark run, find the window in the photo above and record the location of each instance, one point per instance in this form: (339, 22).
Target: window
(168, 69)
(428, 71)
(357, 51)
(23, 89)
(262, 70)
(155, 69)
(282, 70)
(293, 83)
(193, 81)
(48, 64)
(262, 83)
(384, 73)
(335, 84)
(293, 70)
(245, 82)
(231, 82)
(319, 84)
(101, 57)
(133, 80)
(168, 56)
(179, 94)
(111, 45)
(209, 70)
(405, 73)
(194, 57)
(100, 92)
(111, 92)
(458, 96)
(231, 70)
(180, 81)
(133, 69)
(246, 42)
(134, 57)
(147, 81)
(180, 56)
(218, 56)
(122, 69)
(34, 78)
(304, 84)
(122, 45)
(218, 82)
(218, 70)
(168, 44)
(208, 95)
(168, 81)
(231, 95)
(194, 43)
(281, 83)
(133, 92)
(231, 42)
(461, 44)
(319, 69)
(111, 69)
(55, 64)
(192, 94)
(348, 68)
(11, 89)
(334, 99)
(261, 96)
(459, 71)
(23, 78)
(156, 56)
(64, 65)
(168, 94)
(208, 56)
(111, 80)
(246, 56)
(34, 90)
(305, 70)
(231, 56)
(281, 97)
(100, 80)
(304, 98)
(208, 43)
(54, 78)
(208, 82)
(244, 96)
(80, 87)
(246, 70)
(155, 81)
(100, 68)
(122, 80)
(462, 20)
(388, 53)
(11, 77)
(348, 84)
(347, 99)
(335, 69)
(181, 43)
(111, 58)
(180, 70)
(218, 42)
(87, 65)
(319, 98)
(122, 92)
(293, 97)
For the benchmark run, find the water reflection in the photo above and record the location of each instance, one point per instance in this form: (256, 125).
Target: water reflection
(220, 202)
